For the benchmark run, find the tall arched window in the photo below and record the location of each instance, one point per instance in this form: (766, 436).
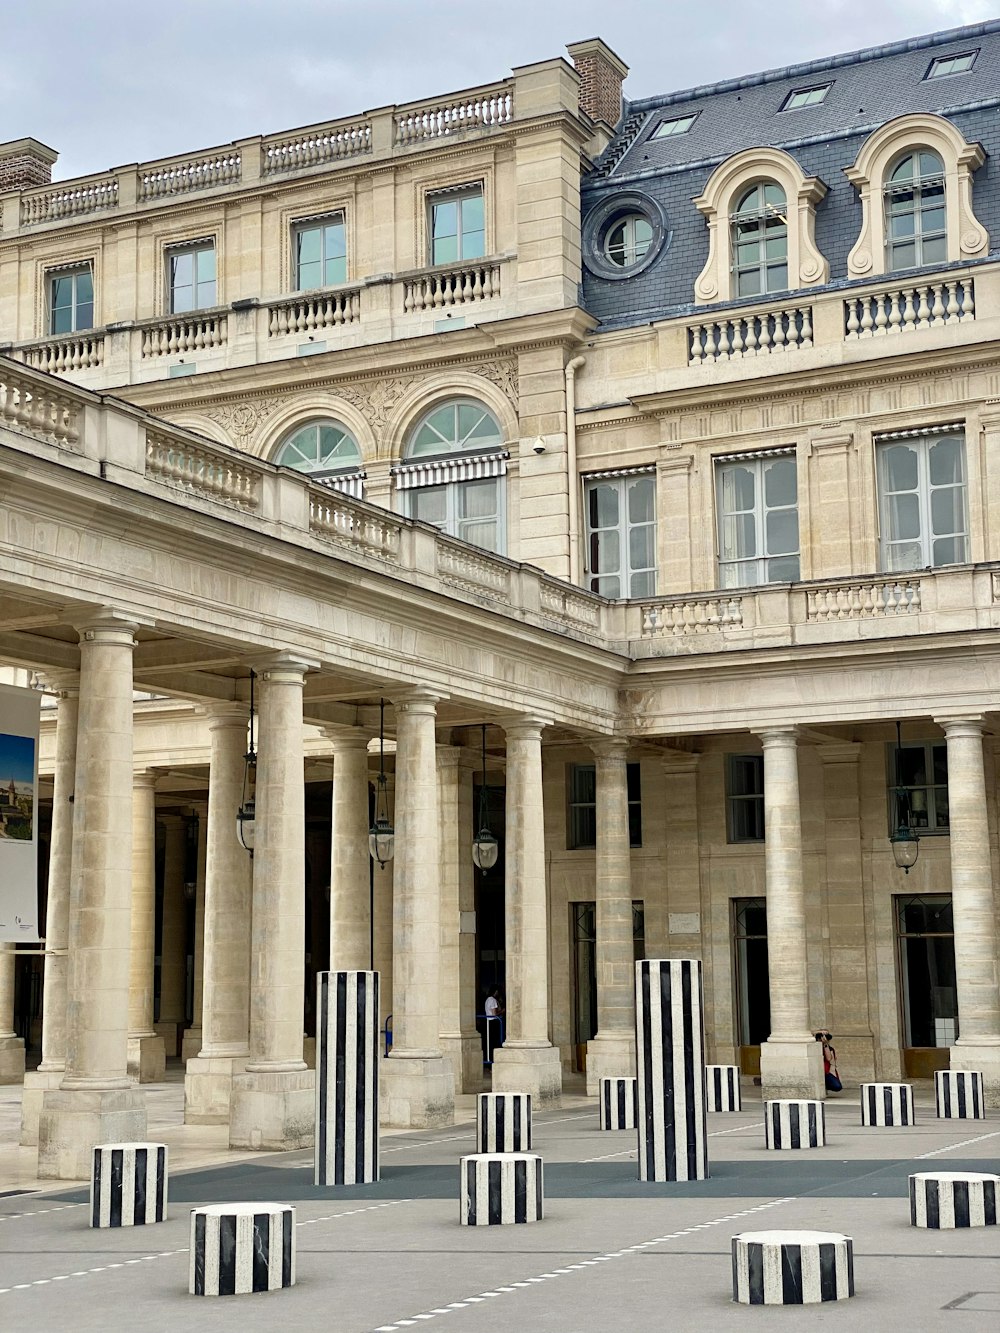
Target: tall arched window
(327, 451)
(915, 230)
(759, 232)
(453, 470)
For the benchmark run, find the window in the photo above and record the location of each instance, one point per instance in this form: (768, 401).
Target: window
(458, 228)
(744, 798)
(461, 492)
(628, 239)
(71, 300)
(915, 231)
(668, 128)
(753, 991)
(581, 826)
(927, 971)
(322, 448)
(584, 925)
(758, 521)
(621, 535)
(918, 788)
(760, 241)
(923, 515)
(191, 275)
(944, 65)
(320, 252)
(806, 97)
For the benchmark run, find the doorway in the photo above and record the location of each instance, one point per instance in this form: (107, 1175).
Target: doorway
(928, 994)
(753, 994)
(583, 927)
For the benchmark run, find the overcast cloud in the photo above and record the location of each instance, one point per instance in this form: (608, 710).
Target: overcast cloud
(116, 81)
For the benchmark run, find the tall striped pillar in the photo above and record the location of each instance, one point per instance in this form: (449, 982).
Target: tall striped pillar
(670, 1046)
(347, 1038)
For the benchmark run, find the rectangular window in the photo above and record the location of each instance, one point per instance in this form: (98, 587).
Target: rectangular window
(960, 64)
(584, 926)
(320, 247)
(758, 521)
(918, 788)
(679, 125)
(470, 510)
(71, 300)
(922, 501)
(581, 824)
(621, 535)
(744, 798)
(927, 971)
(458, 229)
(191, 277)
(806, 97)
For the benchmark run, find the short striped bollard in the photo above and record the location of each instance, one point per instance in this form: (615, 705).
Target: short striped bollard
(128, 1184)
(501, 1188)
(792, 1267)
(722, 1087)
(959, 1094)
(503, 1122)
(885, 1104)
(946, 1200)
(618, 1103)
(239, 1248)
(794, 1124)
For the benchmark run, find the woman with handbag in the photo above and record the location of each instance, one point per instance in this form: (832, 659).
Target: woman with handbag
(830, 1075)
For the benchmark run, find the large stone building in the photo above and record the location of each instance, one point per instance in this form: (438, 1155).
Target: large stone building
(635, 461)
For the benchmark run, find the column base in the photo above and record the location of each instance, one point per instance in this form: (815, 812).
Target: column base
(612, 1056)
(191, 1043)
(416, 1092)
(984, 1058)
(171, 1034)
(534, 1069)
(466, 1055)
(273, 1112)
(208, 1088)
(74, 1120)
(792, 1069)
(11, 1059)
(147, 1058)
(37, 1082)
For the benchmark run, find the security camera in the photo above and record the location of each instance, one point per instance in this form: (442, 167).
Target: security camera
(539, 446)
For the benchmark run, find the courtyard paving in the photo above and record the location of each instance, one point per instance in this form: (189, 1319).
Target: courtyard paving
(612, 1254)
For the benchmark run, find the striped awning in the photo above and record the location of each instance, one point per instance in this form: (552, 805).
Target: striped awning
(348, 483)
(747, 454)
(620, 472)
(949, 428)
(441, 470)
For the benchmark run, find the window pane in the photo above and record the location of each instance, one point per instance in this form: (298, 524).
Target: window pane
(85, 315)
(901, 225)
(335, 240)
(84, 287)
(583, 783)
(309, 246)
(445, 217)
(904, 256)
(643, 584)
(779, 482)
(901, 467)
(607, 587)
(749, 283)
(902, 557)
(206, 266)
(948, 551)
(935, 250)
(739, 537)
(182, 270)
(472, 213)
(746, 774)
(336, 270)
(609, 552)
(783, 570)
(739, 486)
(604, 506)
(641, 494)
(310, 275)
(782, 531)
(777, 278)
(473, 244)
(445, 250)
(482, 534)
(477, 499)
(904, 517)
(430, 504)
(641, 547)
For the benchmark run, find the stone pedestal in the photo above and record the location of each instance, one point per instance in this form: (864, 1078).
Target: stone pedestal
(466, 1056)
(533, 1069)
(128, 1184)
(11, 1047)
(72, 1122)
(886, 1104)
(272, 1110)
(208, 1087)
(11, 1060)
(503, 1122)
(790, 1069)
(416, 1092)
(36, 1083)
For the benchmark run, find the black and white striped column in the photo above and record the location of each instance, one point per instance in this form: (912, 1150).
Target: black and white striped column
(501, 1188)
(670, 1049)
(945, 1200)
(886, 1104)
(792, 1267)
(794, 1124)
(722, 1084)
(239, 1248)
(503, 1122)
(959, 1094)
(347, 1054)
(128, 1184)
(618, 1103)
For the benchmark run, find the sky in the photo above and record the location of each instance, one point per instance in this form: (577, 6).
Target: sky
(116, 81)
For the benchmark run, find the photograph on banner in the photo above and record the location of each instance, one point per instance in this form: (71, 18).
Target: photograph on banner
(20, 717)
(17, 786)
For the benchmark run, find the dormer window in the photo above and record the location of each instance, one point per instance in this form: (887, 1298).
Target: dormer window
(760, 240)
(915, 214)
(801, 97)
(679, 125)
(945, 65)
(628, 239)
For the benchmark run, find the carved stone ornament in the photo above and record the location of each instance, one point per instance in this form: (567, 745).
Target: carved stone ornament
(241, 420)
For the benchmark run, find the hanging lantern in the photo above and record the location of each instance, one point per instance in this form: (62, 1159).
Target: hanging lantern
(246, 827)
(485, 848)
(381, 835)
(904, 841)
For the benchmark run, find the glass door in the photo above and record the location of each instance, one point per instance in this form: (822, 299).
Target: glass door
(928, 995)
(753, 995)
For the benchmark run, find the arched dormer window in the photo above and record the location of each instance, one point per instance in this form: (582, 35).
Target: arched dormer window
(915, 214)
(759, 230)
(452, 475)
(328, 452)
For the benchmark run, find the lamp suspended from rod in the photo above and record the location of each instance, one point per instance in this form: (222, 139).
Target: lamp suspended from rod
(485, 848)
(246, 823)
(905, 843)
(381, 836)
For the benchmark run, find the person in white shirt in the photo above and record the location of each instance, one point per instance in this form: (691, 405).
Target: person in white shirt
(493, 1006)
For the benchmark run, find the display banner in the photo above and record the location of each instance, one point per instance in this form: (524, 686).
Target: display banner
(20, 714)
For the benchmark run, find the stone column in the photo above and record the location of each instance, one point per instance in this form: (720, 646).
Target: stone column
(611, 1052)
(350, 863)
(50, 1071)
(225, 997)
(11, 1046)
(192, 1040)
(417, 1083)
(974, 907)
(146, 1053)
(791, 1060)
(272, 1102)
(173, 970)
(96, 1101)
(527, 1062)
(458, 1036)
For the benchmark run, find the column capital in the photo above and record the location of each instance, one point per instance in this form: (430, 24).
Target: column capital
(346, 738)
(108, 629)
(417, 700)
(778, 738)
(63, 684)
(449, 756)
(525, 726)
(225, 715)
(145, 779)
(961, 724)
(610, 748)
(285, 668)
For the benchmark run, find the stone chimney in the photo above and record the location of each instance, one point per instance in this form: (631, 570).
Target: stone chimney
(601, 77)
(24, 163)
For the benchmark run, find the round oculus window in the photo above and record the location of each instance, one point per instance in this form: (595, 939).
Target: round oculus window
(624, 235)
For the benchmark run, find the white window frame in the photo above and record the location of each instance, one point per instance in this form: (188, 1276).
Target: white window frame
(625, 573)
(453, 520)
(919, 206)
(459, 196)
(320, 224)
(922, 442)
(73, 272)
(806, 94)
(937, 69)
(758, 462)
(669, 129)
(763, 219)
(633, 249)
(192, 248)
